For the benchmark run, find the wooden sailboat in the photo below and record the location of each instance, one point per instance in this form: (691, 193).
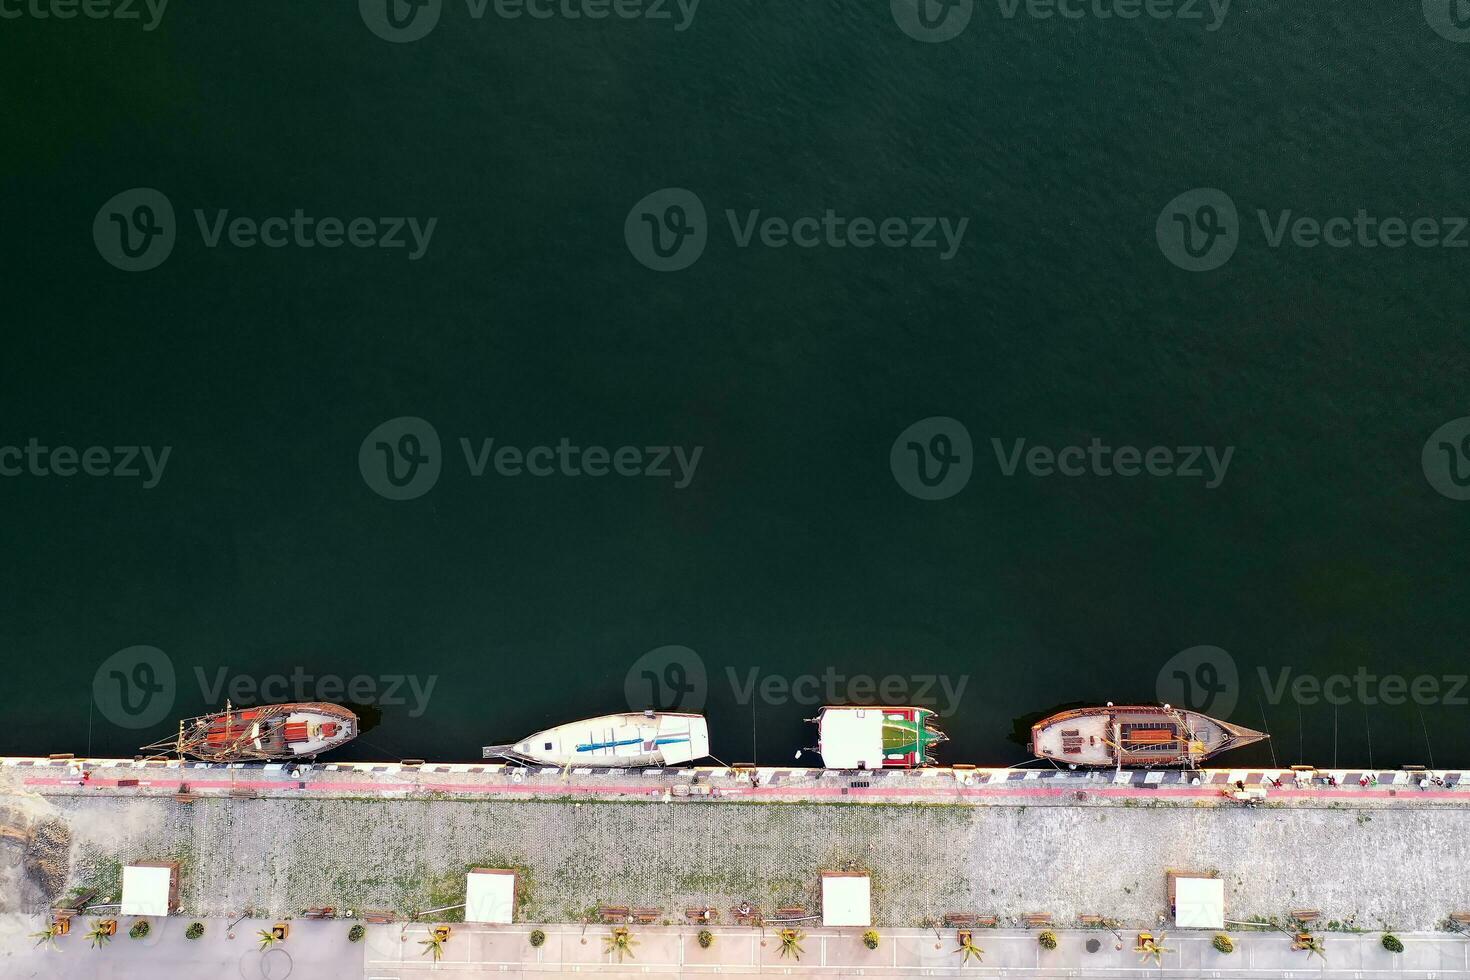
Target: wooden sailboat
(1136, 736)
(272, 731)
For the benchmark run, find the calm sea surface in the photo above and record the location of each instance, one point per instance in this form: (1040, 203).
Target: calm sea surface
(263, 556)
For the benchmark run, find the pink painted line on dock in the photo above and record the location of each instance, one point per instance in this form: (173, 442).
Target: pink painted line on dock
(747, 792)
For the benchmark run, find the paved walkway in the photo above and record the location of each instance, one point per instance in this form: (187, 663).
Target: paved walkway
(972, 786)
(393, 952)
(320, 951)
(395, 836)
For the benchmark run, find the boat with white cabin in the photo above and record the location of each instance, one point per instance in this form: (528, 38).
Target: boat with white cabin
(876, 737)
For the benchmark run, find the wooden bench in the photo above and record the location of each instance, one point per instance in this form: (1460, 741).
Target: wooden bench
(612, 913)
(78, 905)
(1306, 915)
(1463, 918)
(326, 912)
(748, 916)
(791, 912)
(1091, 921)
(954, 920)
(378, 916)
(702, 916)
(1034, 919)
(647, 916)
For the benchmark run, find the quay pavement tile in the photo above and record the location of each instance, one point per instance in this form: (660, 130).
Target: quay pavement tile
(586, 949)
(1454, 953)
(926, 952)
(502, 946)
(734, 947)
(654, 947)
(847, 951)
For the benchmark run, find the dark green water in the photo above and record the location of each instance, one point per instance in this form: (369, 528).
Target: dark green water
(1325, 549)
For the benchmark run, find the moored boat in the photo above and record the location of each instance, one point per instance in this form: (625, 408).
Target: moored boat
(875, 737)
(1135, 736)
(626, 741)
(301, 730)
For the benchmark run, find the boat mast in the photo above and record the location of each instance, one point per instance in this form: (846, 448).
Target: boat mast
(1189, 739)
(1117, 739)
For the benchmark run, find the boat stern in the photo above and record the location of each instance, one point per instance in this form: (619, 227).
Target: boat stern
(682, 738)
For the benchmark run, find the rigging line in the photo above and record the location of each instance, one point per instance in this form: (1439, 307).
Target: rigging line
(1425, 729)
(1367, 723)
(1334, 736)
(1270, 742)
(754, 759)
(1301, 736)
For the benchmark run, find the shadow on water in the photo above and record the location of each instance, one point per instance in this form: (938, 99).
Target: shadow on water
(369, 716)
